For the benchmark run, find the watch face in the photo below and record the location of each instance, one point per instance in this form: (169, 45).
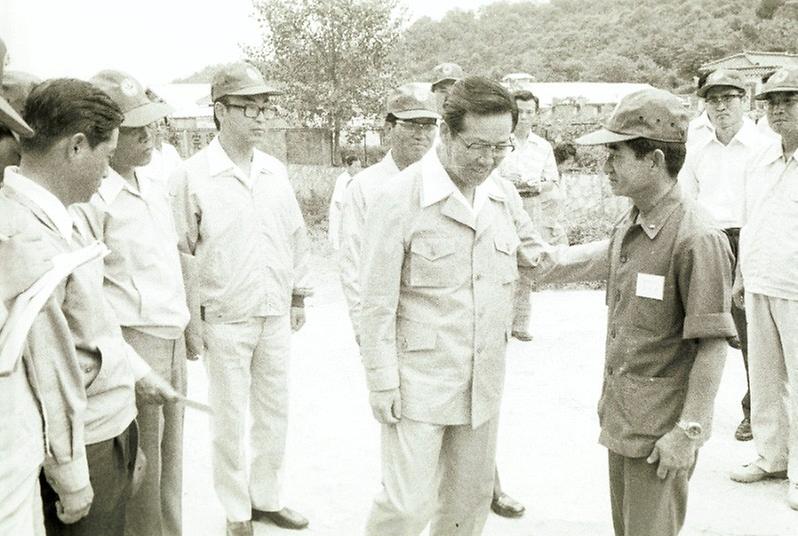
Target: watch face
(693, 430)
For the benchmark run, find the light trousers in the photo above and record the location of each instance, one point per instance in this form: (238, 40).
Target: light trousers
(155, 510)
(433, 473)
(773, 371)
(247, 366)
(21, 503)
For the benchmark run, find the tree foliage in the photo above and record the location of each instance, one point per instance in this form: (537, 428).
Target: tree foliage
(333, 56)
(662, 42)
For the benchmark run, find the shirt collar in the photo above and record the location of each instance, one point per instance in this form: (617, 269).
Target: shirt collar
(653, 221)
(52, 207)
(219, 163)
(775, 151)
(436, 185)
(389, 162)
(748, 134)
(114, 184)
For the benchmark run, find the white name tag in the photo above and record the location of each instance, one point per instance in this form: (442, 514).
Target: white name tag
(650, 286)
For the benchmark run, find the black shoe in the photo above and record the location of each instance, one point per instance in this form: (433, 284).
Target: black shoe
(522, 335)
(743, 432)
(506, 506)
(285, 518)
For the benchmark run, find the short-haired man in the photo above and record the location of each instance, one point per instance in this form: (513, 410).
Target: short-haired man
(245, 250)
(713, 175)
(440, 260)
(83, 367)
(143, 283)
(768, 274)
(668, 271)
(342, 182)
(533, 170)
(411, 122)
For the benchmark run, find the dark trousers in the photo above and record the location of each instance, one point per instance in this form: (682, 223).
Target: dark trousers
(642, 504)
(110, 472)
(740, 323)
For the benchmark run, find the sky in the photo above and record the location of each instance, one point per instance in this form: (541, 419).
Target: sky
(156, 41)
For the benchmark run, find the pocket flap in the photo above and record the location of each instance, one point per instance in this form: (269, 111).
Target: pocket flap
(414, 336)
(432, 248)
(505, 245)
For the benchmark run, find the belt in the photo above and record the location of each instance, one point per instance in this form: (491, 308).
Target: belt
(528, 193)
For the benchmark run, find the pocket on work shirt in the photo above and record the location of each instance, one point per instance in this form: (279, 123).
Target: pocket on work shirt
(652, 405)
(432, 262)
(506, 260)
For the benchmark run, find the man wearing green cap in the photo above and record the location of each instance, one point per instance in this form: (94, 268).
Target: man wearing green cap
(242, 236)
(668, 272)
(768, 274)
(143, 282)
(713, 175)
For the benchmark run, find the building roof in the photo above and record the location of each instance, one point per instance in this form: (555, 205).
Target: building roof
(582, 92)
(766, 61)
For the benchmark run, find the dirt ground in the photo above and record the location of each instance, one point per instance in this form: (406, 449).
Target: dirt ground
(548, 454)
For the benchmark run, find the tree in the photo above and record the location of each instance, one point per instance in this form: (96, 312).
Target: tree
(333, 56)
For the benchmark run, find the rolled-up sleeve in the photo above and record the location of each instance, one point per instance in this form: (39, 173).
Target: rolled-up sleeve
(705, 280)
(380, 281)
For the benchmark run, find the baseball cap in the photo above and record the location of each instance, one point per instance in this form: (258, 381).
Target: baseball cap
(722, 77)
(131, 98)
(781, 81)
(446, 71)
(649, 113)
(16, 87)
(10, 118)
(240, 78)
(412, 101)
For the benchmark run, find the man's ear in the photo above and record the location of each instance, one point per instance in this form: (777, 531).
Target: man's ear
(658, 159)
(75, 145)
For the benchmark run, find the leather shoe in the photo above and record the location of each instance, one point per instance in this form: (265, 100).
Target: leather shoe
(792, 495)
(743, 432)
(751, 472)
(285, 518)
(239, 528)
(506, 506)
(521, 335)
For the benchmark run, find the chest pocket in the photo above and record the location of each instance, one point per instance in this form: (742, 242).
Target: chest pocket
(432, 262)
(506, 262)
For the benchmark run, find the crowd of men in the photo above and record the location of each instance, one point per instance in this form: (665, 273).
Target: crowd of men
(439, 244)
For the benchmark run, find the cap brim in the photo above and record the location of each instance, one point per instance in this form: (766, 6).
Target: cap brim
(416, 114)
(764, 94)
(702, 91)
(603, 136)
(442, 80)
(146, 114)
(10, 118)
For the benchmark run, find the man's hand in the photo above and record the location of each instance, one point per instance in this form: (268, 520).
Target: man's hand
(675, 453)
(297, 318)
(26, 258)
(72, 507)
(152, 389)
(738, 293)
(386, 405)
(195, 346)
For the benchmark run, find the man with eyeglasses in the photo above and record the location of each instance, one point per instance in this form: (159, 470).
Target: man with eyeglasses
(245, 250)
(767, 284)
(442, 245)
(713, 175)
(411, 123)
(143, 282)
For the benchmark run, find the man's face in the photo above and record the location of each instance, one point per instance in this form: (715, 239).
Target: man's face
(90, 166)
(527, 111)
(412, 138)
(134, 148)
(478, 148)
(354, 167)
(245, 116)
(627, 174)
(441, 91)
(783, 112)
(725, 107)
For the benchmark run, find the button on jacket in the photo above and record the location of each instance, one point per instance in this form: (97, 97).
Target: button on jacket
(437, 282)
(769, 239)
(143, 279)
(246, 233)
(82, 371)
(361, 192)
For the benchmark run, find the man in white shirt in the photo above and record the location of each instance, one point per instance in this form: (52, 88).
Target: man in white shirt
(352, 164)
(768, 272)
(411, 122)
(713, 175)
(245, 251)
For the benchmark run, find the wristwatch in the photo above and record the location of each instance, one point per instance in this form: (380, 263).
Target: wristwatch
(692, 430)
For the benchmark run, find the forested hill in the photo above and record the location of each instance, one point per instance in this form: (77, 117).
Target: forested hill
(657, 41)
